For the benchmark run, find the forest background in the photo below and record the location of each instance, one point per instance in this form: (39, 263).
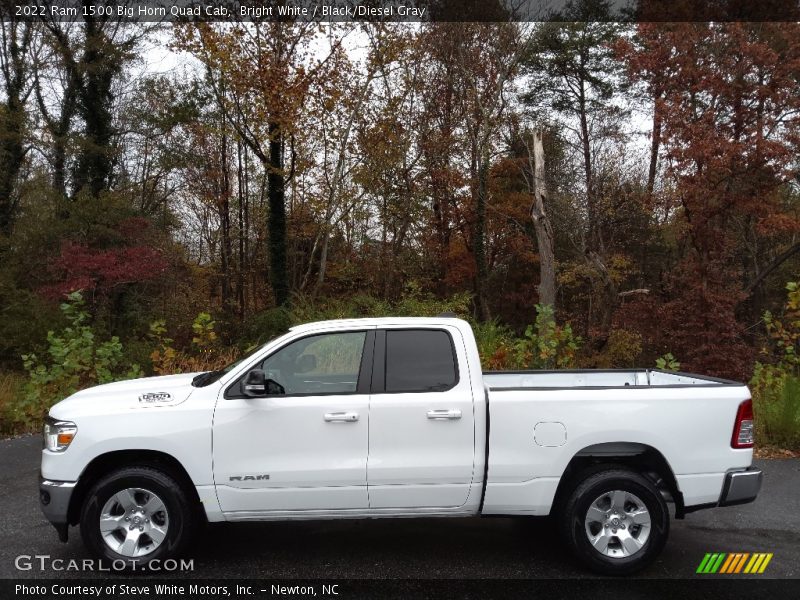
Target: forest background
(588, 194)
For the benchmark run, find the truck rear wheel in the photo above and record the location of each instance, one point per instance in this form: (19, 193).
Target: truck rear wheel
(136, 515)
(615, 521)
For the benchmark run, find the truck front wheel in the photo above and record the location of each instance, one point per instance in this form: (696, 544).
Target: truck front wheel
(615, 521)
(136, 515)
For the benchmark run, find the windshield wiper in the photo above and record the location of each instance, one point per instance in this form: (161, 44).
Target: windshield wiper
(209, 377)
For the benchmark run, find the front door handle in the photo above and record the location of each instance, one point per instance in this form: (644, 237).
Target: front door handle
(451, 413)
(342, 417)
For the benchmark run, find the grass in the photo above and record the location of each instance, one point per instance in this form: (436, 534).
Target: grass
(776, 403)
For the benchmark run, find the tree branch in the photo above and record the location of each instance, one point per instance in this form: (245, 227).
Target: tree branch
(779, 260)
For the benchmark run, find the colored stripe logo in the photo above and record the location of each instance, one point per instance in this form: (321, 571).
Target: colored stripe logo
(733, 563)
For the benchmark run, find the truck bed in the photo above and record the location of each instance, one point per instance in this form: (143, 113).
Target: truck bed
(596, 379)
(540, 420)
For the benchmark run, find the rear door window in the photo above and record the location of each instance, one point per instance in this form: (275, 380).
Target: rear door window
(420, 360)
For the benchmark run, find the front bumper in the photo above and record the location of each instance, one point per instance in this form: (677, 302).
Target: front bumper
(54, 498)
(741, 487)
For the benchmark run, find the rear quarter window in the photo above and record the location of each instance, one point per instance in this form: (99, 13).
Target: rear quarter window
(420, 360)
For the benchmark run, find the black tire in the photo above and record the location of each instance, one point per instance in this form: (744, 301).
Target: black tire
(180, 511)
(572, 521)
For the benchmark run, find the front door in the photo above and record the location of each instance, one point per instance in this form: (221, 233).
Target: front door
(422, 426)
(305, 449)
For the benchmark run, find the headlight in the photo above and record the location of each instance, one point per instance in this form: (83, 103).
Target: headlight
(58, 435)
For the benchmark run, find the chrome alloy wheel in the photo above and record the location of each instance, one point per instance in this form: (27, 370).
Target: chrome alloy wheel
(617, 524)
(134, 522)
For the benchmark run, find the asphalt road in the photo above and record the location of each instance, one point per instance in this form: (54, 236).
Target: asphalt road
(406, 548)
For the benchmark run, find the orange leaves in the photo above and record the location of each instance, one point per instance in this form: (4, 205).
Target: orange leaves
(778, 224)
(262, 72)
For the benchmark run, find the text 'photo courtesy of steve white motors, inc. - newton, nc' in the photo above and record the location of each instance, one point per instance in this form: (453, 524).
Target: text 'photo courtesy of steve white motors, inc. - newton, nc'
(309, 11)
(160, 590)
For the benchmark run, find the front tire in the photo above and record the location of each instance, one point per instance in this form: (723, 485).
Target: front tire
(137, 515)
(615, 522)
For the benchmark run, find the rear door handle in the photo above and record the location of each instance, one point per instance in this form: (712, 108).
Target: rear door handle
(342, 417)
(451, 413)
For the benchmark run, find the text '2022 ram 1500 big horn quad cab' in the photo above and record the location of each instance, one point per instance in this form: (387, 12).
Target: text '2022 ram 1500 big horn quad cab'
(392, 417)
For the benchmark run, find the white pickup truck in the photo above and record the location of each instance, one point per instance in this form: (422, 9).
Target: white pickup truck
(392, 417)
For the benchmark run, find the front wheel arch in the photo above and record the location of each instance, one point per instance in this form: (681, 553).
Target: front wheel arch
(137, 514)
(102, 465)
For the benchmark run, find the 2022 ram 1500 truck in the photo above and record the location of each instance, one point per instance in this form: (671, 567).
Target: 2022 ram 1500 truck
(393, 417)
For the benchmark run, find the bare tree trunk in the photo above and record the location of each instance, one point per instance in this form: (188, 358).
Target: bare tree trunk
(542, 225)
(225, 229)
(780, 259)
(587, 167)
(654, 147)
(610, 292)
(246, 198)
(59, 130)
(323, 261)
(242, 234)
(278, 272)
(384, 270)
(479, 239)
(16, 39)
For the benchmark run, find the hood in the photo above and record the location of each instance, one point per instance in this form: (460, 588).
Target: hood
(147, 392)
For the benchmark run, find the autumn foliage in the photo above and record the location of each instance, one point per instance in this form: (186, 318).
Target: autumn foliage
(727, 98)
(288, 171)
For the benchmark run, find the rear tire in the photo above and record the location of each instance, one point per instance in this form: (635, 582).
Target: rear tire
(136, 515)
(615, 521)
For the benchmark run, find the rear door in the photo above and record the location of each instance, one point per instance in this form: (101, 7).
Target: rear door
(422, 425)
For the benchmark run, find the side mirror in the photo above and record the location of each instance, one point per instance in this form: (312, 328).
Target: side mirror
(274, 388)
(256, 385)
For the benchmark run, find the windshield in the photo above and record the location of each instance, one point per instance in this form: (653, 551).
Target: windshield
(209, 377)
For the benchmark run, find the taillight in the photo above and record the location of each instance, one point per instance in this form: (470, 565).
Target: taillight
(743, 427)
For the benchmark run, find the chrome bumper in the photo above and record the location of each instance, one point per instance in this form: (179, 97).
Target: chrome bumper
(54, 497)
(741, 487)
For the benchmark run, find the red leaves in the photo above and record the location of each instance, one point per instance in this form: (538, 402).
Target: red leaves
(728, 97)
(80, 267)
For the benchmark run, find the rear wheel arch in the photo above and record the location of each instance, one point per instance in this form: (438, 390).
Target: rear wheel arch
(637, 457)
(615, 521)
(109, 462)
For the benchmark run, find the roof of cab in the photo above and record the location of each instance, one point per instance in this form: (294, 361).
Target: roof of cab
(375, 322)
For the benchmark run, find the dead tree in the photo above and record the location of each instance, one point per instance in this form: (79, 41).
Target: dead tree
(535, 179)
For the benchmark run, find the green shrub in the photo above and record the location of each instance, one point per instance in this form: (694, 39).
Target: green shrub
(544, 345)
(494, 342)
(776, 404)
(620, 351)
(668, 363)
(264, 326)
(25, 318)
(205, 337)
(784, 332)
(416, 303)
(413, 303)
(204, 354)
(775, 386)
(76, 359)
